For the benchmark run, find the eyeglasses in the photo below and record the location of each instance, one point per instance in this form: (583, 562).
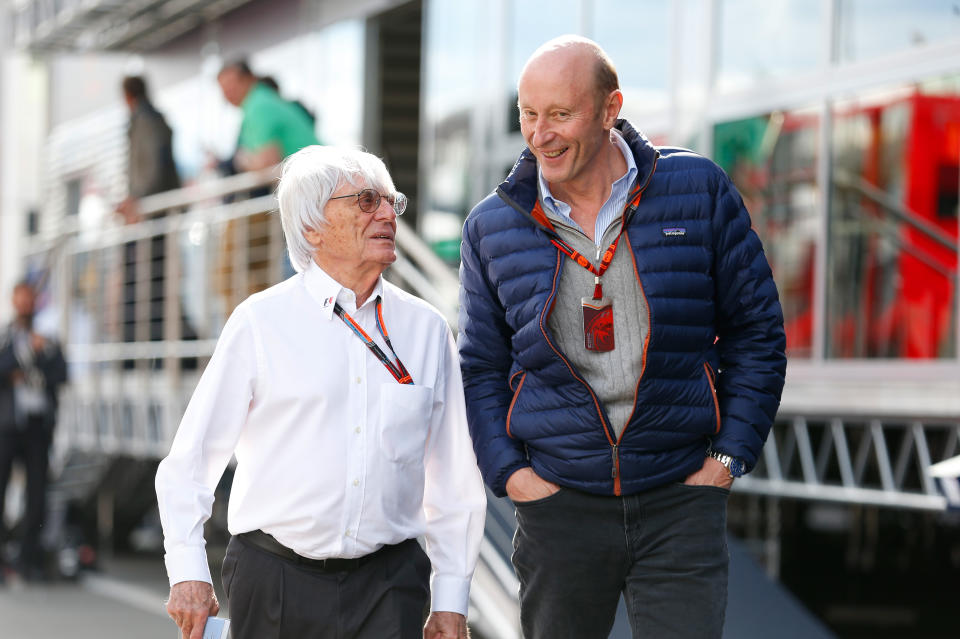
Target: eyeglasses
(369, 201)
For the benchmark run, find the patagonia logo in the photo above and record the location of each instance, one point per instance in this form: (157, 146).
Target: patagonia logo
(674, 231)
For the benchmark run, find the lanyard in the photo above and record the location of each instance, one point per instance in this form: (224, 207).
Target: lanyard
(607, 256)
(398, 370)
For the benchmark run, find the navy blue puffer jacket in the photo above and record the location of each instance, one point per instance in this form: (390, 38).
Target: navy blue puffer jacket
(714, 363)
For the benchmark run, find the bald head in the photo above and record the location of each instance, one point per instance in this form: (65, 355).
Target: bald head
(567, 105)
(579, 59)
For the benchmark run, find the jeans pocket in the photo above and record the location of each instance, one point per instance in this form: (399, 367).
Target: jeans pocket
(539, 502)
(705, 489)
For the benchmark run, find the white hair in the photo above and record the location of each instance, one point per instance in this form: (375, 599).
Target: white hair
(309, 177)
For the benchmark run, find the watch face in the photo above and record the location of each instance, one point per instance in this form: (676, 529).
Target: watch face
(736, 467)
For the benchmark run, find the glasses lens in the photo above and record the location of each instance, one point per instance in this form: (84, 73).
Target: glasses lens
(369, 200)
(399, 203)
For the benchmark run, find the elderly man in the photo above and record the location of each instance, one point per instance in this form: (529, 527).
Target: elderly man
(623, 355)
(351, 441)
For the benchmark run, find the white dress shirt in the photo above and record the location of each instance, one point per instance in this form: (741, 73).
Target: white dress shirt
(335, 458)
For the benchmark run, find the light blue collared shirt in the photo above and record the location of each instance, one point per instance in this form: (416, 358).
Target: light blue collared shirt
(612, 209)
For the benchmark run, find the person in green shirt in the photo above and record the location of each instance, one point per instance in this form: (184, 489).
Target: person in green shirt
(272, 128)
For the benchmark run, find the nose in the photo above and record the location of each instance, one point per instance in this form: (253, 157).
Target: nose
(385, 211)
(542, 134)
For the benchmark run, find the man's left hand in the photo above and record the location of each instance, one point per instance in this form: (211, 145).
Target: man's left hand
(446, 625)
(712, 473)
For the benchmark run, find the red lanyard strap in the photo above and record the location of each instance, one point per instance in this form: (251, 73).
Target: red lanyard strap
(581, 259)
(398, 370)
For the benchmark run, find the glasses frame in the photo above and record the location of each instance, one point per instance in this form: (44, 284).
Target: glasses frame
(399, 204)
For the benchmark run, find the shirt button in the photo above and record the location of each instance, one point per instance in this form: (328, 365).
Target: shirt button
(357, 430)
(356, 482)
(348, 533)
(359, 380)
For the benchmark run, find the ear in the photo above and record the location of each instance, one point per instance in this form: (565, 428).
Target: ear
(611, 108)
(313, 237)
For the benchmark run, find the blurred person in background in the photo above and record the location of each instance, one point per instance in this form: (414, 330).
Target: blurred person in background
(351, 442)
(150, 170)
(32, 368)
(150, 165)
(622, 348)
(272, 128)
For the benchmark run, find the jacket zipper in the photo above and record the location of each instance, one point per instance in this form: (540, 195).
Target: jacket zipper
(607, 428)
(617, 489)
(543, 315)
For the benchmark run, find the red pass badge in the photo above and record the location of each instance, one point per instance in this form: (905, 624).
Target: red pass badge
(597, 324)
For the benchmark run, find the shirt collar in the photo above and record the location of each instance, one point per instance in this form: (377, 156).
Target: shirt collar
(561, 208)
(326, 291)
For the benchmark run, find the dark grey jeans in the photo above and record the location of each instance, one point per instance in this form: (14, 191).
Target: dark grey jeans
(665, 550)
(274, 598)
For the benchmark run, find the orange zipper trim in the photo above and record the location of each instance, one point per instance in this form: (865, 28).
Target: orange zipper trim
(514, 401)
(513, 377)
(596, 402)
(713, 391)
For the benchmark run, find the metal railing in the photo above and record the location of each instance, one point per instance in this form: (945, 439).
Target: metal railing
(141, 308)
(876, 461)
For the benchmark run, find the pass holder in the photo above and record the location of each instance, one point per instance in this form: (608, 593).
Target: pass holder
(597, 323)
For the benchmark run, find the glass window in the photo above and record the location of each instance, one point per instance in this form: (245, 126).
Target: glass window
(772, 159)
(533, 22)
(762, 39)
(324, 70)
(450, 57)
(892, 258)
(870, 28)
(643, 63)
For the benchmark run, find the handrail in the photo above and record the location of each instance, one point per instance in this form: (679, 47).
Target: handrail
(845, 179)
(206, 190)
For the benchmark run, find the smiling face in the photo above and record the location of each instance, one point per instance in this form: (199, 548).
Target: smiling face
(353, 240)
(564, 121)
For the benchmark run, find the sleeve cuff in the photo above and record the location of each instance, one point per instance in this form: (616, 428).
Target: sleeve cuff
(449, 594)
(188, 563)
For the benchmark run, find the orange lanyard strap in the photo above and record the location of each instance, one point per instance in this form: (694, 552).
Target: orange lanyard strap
(581, 259)
(398, 370)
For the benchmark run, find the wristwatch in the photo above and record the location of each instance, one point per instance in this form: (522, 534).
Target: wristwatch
(734, 466)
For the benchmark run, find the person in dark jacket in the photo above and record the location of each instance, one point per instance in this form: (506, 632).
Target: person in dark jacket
(622, 348)
(32, 368)
(150, 170)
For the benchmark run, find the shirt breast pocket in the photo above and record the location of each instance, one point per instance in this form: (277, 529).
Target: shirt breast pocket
(405, 412)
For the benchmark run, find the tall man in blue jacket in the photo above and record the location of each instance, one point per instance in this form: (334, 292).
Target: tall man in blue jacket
(622, 350)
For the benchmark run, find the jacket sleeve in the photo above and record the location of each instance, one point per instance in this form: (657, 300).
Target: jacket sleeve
(150, 143)
(8, 362)
(51, 363)
(751, 341)
(485, 360)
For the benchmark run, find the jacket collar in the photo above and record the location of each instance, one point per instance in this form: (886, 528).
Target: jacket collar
(521, 184)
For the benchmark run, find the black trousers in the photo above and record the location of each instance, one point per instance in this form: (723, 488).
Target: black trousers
(664, 550)
(32, 447)
(270, 597)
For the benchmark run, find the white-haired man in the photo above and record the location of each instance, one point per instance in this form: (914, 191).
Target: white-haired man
(351, 441)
